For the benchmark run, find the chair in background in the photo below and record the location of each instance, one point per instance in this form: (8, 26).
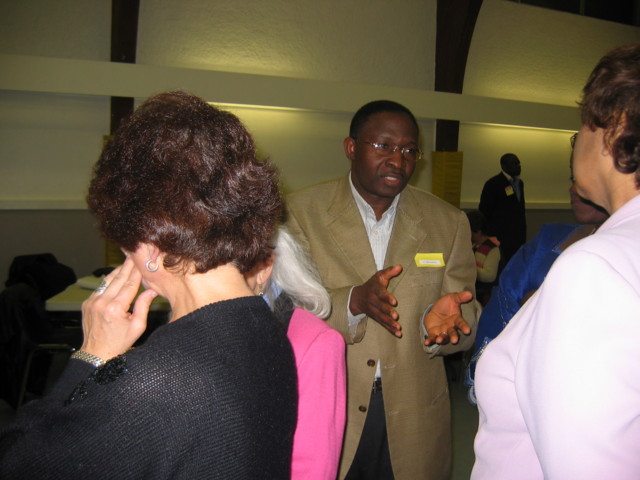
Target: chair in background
(30, 341)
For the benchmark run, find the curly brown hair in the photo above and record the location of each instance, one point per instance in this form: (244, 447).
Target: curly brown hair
(611, 101)
(183, 175)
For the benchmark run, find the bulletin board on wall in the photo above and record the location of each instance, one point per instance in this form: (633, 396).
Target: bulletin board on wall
(446, 176)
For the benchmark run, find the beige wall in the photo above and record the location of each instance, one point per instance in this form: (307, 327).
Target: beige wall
(351, 52)
(361, 41)
(536, 54)
(69, 234)
(533, 54)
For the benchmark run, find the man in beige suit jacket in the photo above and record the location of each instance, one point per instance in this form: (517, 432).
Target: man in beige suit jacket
(380, 290)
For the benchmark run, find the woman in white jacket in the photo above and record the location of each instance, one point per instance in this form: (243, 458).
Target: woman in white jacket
(559, 389)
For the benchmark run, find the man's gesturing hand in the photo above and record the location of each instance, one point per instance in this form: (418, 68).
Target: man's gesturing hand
(374, 300)
(445, 319)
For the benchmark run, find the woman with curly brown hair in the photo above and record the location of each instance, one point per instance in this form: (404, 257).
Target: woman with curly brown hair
(212, 394)
(559, 389)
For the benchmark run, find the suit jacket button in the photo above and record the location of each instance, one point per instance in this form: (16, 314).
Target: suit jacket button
(362, 408)
(371, 363)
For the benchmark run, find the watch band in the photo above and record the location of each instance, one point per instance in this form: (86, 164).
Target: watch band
(89, 358)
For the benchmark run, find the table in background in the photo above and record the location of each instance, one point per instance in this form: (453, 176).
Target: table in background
(70, 300)
(67, 306)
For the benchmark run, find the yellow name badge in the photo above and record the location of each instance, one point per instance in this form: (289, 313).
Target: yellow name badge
(509, 190)
(429, 260)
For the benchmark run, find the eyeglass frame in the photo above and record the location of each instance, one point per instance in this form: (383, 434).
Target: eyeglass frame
(396, 147)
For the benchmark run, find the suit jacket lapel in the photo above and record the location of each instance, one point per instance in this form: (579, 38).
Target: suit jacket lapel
(407, 236)
(349, 233)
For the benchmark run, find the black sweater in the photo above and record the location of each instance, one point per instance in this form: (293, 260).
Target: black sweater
(211, 395)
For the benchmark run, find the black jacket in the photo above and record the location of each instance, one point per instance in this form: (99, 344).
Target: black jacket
(505, 214)
(211, 395)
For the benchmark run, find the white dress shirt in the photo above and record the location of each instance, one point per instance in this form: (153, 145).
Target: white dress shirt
(379, 233)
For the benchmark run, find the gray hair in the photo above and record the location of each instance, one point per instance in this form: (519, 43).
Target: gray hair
(294, 274)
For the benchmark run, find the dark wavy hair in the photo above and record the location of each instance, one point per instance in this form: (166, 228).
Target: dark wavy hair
(372, 108)
(183, 175)
(611, 101)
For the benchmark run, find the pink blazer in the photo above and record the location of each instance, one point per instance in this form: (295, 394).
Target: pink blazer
(320, 359)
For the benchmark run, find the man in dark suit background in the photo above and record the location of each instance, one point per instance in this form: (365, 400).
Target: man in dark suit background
(502, 203)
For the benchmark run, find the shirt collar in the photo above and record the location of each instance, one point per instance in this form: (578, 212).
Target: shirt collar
(509, 177)
(365, 209)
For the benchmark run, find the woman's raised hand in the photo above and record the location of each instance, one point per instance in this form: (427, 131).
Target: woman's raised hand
(108, 326)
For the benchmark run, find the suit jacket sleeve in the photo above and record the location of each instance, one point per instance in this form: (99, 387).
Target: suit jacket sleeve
(487, 199)
(460, 275)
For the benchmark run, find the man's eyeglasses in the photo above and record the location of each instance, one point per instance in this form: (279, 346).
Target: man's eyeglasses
(386, 150)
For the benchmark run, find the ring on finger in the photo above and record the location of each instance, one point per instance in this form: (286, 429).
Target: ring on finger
(102, 287)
